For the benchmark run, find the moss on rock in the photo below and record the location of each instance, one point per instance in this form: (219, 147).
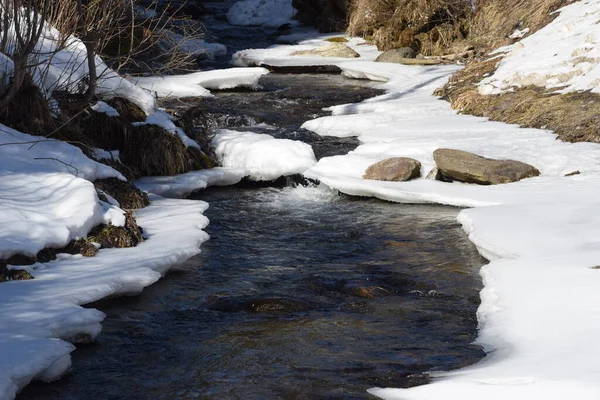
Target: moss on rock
(110, 236)
(128, 196)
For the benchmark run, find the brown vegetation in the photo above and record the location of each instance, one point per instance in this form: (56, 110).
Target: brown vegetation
(573, 116)
(438, 27)
(430, 26)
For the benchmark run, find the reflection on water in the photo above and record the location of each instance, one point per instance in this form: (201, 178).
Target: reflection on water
(300, 294)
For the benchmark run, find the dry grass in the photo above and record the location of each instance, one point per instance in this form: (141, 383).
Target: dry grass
(426, 25)
(438, 27)
(575, 117)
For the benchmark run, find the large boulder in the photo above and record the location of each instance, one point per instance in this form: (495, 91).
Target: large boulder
(398, 169)
(462, 166)
(332, 49)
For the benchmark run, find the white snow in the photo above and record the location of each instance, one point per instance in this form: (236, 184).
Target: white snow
(182, 185)
(103, 107)
(36, 313)
(563, 56)
(197, 83)
(280, 55)
(269, 13)
(262, 156)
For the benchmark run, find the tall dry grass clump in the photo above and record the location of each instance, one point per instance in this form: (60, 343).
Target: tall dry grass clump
(426, 25)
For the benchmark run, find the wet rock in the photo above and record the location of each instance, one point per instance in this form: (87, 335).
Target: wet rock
(462, 166)
(397, 55)
(329, 50)
(398, 169)
(434, 174)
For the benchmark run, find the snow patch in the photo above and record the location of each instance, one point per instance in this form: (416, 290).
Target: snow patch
(264, 157)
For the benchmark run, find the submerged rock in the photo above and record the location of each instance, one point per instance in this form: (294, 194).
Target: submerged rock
(462, 166)
(398, 169)
(333, 49)
(260, 305)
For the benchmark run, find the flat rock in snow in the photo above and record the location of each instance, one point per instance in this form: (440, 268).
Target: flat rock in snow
(467, 167)
(397, 169)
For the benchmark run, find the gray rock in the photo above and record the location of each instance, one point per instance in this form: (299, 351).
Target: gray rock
(393, 55)
(462, 166)
(398, 169)
(434, 174)
(329, 50)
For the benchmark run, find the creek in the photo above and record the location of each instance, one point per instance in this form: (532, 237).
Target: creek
(301, 293)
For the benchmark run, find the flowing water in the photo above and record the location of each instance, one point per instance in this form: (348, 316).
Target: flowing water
(301, 293)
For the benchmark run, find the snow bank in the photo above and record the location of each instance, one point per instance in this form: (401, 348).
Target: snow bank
(36, 313)
(182, 185)
(270, 13)
(262, 156)
(564, 55)
(280, 55)
(536, 317)
(197, 83)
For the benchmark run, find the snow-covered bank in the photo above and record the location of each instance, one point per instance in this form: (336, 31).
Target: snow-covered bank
(47, 200)
(539, 302)
(35, 314)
